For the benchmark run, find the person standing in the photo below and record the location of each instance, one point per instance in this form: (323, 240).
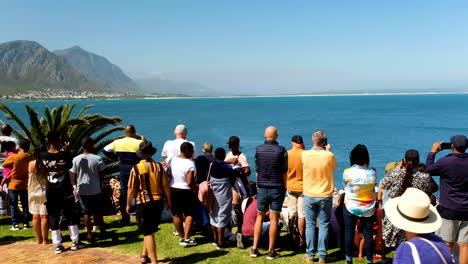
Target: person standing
(413, 213)
(182, 193)
(87, 173)
(202, 162)
(124, 150)
(453, 206)
(18, 184)
(238, 159)
(171, 148)
(148, 183)
(319, 164)
(272, 163)
(61, 198)
(37, 197)
(359, 184)
(7, 130)
(294, 185)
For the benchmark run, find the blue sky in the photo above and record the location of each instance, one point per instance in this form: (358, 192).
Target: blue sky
(261, 46)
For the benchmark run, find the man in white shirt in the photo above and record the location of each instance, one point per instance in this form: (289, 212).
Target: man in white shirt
(172, 147)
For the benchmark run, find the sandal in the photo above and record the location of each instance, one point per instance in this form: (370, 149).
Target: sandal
(144, 259)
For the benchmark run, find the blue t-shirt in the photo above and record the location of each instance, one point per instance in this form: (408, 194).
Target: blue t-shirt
(427, 254)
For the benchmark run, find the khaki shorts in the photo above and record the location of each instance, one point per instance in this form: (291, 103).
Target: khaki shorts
(296, 204)
(454, 231)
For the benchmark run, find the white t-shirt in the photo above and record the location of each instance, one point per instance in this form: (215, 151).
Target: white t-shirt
(241, 159)
(172, 148)
(3, 152)
(180, 168)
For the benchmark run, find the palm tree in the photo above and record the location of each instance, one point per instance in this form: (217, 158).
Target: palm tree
(61, 119)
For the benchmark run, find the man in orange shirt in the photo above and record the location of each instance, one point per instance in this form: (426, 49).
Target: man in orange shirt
(18, 184)
(294, 184)
(318, 166)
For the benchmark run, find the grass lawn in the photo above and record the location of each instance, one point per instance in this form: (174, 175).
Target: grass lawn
(129, 241)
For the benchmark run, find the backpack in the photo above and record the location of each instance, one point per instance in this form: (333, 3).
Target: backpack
(293, 230)
(205, 193)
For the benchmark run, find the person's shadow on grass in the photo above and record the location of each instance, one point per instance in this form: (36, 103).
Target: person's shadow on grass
(198, 257)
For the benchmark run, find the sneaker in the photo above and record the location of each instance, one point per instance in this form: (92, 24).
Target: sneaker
(240, 240)
(221, 247)
(59, 249)
(190, 242)
(26, 226)
(254, 253)
(182, 242)
(273, 255)
(15, 228)
(76, 246)
(175, 232)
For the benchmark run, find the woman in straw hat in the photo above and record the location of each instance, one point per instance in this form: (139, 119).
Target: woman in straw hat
(413, 213)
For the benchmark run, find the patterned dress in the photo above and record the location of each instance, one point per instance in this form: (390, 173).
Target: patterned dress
(392, 183)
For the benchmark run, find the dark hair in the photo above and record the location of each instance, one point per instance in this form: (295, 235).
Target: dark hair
(24, 145)
(7, 129)
(87, 141)
(421, 167)
(359, 156)
(410, 163)
(186, 148)
(8, 146)
(220, 154)
(461, 149)
(53, 136)
(41, 170)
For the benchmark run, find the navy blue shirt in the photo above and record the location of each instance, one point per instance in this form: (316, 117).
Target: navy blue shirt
(271, 161)
(222, 170)
(453, 172)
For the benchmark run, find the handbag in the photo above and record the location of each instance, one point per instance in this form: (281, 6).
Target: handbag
(205, 193)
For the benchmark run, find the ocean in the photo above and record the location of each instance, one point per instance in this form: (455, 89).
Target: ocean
(387, 124)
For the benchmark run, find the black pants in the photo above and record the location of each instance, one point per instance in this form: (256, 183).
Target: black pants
(367, 223)
(57, 205)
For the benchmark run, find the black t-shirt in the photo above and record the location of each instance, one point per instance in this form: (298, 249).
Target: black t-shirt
(58, 165)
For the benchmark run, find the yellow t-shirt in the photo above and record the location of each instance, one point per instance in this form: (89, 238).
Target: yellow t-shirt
(318, 173)
(294, 175)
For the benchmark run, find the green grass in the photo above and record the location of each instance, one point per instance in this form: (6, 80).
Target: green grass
(129, 241)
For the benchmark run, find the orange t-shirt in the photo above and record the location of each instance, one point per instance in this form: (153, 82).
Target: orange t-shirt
(19, 171)
(294, 175)
(318, 173)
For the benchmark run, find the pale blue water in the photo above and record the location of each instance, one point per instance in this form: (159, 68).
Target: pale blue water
(388, 124)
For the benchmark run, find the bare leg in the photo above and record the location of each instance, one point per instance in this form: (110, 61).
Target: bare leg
(274, 217)
(463, 257)
(301, 225)
(258, 229)
(89, 226)
(361, 247)
(36, 222)
(220, 235)
(150, 248)
(215, 233)
(188, 226)
(45, 229)
(177, 220)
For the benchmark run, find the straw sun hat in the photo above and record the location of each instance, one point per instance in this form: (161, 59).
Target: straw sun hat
(413, 212)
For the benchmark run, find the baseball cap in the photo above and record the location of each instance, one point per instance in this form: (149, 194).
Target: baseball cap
(180, 129)
(459, 141)
(234, 141)
(297, 139)
(412, 154)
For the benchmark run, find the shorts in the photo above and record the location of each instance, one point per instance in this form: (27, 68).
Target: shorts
(182, 202)
(148, 216)
(453, 231)
(296, 204)
(270, 199)
(91, 204)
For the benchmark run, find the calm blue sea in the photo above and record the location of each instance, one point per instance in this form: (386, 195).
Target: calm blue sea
(387, 124)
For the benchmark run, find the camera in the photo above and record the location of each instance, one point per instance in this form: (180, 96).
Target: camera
(444, 146)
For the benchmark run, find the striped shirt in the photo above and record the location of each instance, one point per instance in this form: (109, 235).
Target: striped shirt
(147, 178)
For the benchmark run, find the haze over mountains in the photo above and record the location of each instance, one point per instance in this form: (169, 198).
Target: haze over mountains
(29, 70)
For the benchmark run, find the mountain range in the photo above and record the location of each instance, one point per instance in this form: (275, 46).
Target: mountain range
(29, 70)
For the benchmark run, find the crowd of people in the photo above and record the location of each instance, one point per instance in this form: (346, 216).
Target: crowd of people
(57, 188)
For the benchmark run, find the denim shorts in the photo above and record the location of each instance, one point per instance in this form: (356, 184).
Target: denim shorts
(270, 199)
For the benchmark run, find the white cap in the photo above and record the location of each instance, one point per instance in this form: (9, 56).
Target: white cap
(180, 129)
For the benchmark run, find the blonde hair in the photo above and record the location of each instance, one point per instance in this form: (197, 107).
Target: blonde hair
(207, 147)
(319, 137)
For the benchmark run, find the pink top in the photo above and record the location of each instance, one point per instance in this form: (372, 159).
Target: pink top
(7, 171)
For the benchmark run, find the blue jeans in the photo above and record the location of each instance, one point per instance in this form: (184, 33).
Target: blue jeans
(23, 197)
(321, 208)
(367, 223)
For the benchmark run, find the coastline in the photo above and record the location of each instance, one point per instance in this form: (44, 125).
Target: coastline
(225, 97)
